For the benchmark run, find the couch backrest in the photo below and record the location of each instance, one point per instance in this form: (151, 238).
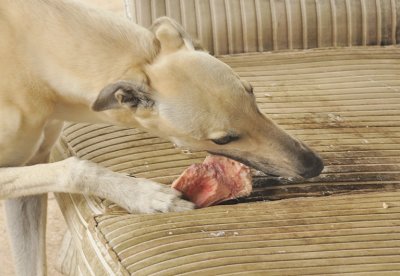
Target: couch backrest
(240, 26)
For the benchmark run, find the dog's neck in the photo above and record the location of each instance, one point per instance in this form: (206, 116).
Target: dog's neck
(109, 49)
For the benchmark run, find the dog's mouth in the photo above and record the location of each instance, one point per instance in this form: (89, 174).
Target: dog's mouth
(263, 169)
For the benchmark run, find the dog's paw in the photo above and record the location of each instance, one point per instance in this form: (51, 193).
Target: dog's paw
(150, 197)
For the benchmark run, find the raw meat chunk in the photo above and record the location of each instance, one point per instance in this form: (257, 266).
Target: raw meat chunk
(215, 180)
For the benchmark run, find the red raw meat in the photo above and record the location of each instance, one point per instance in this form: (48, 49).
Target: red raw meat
(215, 180)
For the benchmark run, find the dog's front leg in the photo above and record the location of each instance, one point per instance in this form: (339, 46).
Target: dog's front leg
(26, 219)
(78, 176)
(26, 212)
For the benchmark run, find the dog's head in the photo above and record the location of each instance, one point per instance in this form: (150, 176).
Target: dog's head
(200, 103)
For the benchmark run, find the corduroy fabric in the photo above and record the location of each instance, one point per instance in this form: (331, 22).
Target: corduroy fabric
(241, 26)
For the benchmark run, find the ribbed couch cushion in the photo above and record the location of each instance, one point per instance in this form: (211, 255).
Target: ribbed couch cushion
(345, 103)
(242, 26)
(288, 237)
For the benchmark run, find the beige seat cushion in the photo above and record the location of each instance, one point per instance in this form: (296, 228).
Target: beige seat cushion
(345, 103)
(233, 26)
(339, 234)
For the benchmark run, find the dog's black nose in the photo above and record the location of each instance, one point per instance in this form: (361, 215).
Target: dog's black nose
(313, 165)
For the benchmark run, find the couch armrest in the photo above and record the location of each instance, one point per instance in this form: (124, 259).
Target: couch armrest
(240, 26)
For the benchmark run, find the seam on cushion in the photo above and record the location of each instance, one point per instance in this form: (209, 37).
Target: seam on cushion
(96, 234)
(394, 21)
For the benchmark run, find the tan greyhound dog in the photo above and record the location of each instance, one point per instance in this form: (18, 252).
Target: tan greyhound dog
(61, 61)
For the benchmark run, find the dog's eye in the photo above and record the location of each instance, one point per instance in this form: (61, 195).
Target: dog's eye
(225, 140)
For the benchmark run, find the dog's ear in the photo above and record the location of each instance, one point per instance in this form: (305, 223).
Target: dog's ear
(172, 36)
(123, 94)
